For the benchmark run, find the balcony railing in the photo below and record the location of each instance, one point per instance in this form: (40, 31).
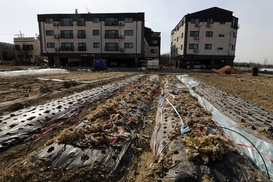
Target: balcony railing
(81, 36)
(67, 49)
(82, 48)
(111, 36)
(106, 48)
(67, 36)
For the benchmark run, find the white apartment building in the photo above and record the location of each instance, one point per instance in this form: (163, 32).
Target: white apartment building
(77, 39)
(205, 39)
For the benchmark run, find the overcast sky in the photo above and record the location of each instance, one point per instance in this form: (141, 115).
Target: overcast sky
(254, 41)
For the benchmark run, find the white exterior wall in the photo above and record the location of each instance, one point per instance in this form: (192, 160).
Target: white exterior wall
(136, 39)
(216, 41)
(225, 42)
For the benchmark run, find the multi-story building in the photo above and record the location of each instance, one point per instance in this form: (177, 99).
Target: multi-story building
(77, 39)
(27, 48)
(205, 38)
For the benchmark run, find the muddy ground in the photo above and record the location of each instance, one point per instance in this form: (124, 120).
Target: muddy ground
(24, 91)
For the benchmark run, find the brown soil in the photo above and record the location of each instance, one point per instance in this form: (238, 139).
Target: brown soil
(24, 91)
(257, 90)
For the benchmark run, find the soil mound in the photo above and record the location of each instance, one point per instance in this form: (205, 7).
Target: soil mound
(227, 70)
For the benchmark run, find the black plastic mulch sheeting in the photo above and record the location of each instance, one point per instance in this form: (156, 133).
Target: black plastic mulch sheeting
(21, 125)
(112, 157)
(232, 167)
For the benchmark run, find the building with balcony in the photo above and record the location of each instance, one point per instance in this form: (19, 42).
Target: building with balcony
(27, 49)
(76, 39)
(205, 39)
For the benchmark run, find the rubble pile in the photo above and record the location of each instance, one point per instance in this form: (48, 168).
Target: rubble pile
(227, 70)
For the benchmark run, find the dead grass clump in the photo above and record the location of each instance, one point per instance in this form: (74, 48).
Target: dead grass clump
(227, 70)
(16, 107)
(68, 84)
(45, 89)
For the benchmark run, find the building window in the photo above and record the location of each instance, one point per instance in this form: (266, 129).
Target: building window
(81, 34)
(210, 21)
(66, 22)
(234, 34)
(234, 23)
(96, 45)
(111, 21)
(96, 32)
(67, 46)
(209, 33)
(154, 42)
(49, 20)
(233, 47)
(27, 47)
(49, 32)
(181, 47)
(111, 46)
(208, 46)
(81, 22)
(82, 47)
(181, 35)
(193, 46)
(129, 20)
(128, 33)
(111, 34)
(50, 45)
(194, 33)
(96, 20)
(221, 35)
(220, 48)
(153, 50)
(128, 45)
(67, 34)
(195, 21)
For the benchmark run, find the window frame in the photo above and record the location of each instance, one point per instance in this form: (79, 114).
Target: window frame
(67, 34)
(82, 46)
(50, 20)
(154, 51)
(111, 46)
(81, 35)
(66, 22)
(96, 20)
(49, 34)
(208, 46)
(128, 45)
(81, 22)
(96, 45)
(96, 32)
(209, 33)
(111, 34)
(129, 20)
(50, 43)
(64, 46)
(193, 46)
(195, 21)
(128, 32)
(194, 33)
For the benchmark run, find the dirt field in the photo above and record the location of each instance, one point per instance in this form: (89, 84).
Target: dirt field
(25, 91)
(255, 89)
